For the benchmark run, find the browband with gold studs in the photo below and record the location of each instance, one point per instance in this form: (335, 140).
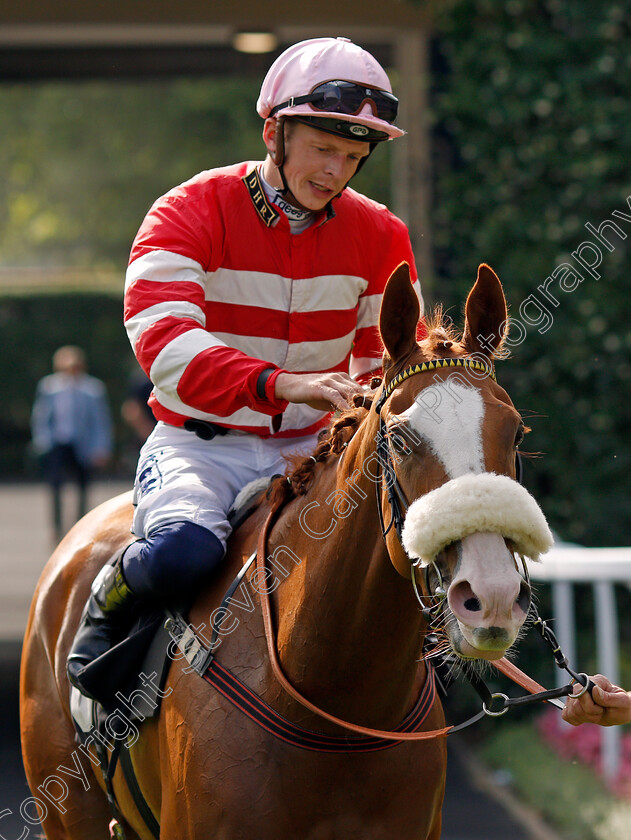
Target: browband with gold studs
(436, 364)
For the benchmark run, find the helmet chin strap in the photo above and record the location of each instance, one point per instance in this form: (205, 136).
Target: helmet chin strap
(279, 159)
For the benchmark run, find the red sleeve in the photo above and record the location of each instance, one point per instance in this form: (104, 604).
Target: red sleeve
(165, 314)
(396, 249)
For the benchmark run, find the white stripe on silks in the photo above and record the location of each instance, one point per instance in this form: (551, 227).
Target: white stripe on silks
(251, 288)
(475, 504)
(172, 360)
(273, 350)
(296, 416)
(318, 355)
(417, 288)
(271, 291)
(359, 367)
(368, 311)
(326, 293)
(139, 322)
(165, 267)
(242, 417)
(300, 416)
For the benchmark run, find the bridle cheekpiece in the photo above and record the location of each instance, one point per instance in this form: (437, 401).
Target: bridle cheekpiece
(396, 496)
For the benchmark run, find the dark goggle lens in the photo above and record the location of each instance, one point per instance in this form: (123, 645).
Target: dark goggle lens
(348, 98)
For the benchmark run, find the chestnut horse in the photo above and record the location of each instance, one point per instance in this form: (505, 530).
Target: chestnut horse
(425, 453)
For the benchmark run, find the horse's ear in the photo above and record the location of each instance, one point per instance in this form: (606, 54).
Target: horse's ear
(485, 314)
(399, 314)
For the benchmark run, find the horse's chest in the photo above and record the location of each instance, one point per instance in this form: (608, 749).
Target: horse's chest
(312, 796)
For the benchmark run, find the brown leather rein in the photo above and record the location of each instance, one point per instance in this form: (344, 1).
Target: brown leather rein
(507, 668)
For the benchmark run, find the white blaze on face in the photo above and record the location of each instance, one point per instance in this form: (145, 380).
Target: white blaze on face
(484, 593)
(448, 416)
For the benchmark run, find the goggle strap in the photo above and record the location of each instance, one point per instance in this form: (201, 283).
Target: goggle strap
(295, 100)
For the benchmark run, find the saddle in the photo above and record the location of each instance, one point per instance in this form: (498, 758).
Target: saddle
(129, 678)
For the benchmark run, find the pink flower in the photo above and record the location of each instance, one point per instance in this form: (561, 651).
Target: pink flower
(583, 744)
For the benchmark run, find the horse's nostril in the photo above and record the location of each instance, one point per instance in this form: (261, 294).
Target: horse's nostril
(473, 605)
(523, 600)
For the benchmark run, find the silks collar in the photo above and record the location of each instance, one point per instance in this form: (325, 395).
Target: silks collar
(266, 210)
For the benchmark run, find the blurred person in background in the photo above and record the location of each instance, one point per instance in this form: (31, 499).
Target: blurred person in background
(71, 429)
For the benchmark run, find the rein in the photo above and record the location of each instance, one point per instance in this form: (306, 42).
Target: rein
(537, 693)
(285, 683)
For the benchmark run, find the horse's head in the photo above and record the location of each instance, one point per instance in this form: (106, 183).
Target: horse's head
(447, 445)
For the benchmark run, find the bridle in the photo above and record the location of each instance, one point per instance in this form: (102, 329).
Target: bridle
(399, 505)
(397, 499)
(396, 496)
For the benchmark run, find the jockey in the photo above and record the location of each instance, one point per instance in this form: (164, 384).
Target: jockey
(251, 302)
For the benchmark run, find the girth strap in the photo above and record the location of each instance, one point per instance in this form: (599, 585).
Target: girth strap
(137, 795)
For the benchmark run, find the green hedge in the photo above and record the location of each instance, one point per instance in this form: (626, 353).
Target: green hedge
(533, 142)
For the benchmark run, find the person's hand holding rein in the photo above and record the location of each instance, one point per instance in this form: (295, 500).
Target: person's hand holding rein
(609, 704)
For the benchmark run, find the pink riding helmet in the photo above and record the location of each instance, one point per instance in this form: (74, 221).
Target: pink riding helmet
(304, 66)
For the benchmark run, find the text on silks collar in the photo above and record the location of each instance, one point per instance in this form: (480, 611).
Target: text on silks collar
(265, 210)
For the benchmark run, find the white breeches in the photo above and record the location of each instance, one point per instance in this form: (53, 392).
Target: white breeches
(182, 478)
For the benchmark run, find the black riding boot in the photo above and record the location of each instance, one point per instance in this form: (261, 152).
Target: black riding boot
(105, 621)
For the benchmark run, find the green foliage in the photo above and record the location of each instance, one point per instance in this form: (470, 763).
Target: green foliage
(532, 143)
(84, 161)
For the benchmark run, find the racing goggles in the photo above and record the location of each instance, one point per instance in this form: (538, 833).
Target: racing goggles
(339, 97)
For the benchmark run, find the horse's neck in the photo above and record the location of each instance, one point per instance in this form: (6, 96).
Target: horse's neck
(349, 629)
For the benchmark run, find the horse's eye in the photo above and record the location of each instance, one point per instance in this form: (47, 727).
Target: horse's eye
(399, 444)
(397, 437)
(520, 434)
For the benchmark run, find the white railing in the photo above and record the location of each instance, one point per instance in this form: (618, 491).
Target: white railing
(564, 566)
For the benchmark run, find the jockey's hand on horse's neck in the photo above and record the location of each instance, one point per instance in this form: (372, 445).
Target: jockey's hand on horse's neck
(322, 391)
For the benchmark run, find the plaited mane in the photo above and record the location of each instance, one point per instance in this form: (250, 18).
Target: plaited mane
(332, 442)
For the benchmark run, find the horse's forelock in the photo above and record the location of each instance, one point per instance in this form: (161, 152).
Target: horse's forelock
(443, 336)
(441, 333)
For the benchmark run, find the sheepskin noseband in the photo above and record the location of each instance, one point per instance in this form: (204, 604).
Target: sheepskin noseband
(475, 504)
